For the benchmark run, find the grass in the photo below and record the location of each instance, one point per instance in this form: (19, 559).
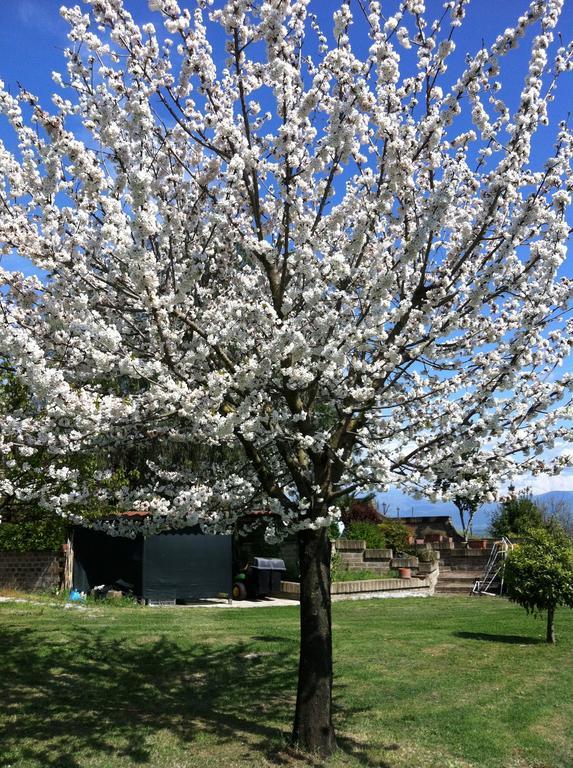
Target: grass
(363, 575)
(420, 683)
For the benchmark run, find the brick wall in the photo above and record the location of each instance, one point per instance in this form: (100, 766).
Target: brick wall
(30, 570)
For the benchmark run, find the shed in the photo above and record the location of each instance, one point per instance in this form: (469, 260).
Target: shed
(180, 565)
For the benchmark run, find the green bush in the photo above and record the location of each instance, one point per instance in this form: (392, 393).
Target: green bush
(45, 535)
(539, 573)
(370, 532)
(396, 534)
(333, 531)
(427, 556)
(515, 516)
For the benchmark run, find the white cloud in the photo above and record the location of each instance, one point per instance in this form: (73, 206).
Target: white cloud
(544, 483)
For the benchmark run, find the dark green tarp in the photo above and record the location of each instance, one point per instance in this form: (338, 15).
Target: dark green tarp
(179, 565)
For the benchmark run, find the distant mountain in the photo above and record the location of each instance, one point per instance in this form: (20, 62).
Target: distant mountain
(398, 504)
(555, 497)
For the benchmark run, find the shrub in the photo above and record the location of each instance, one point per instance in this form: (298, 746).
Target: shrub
(539, 573)
(515, 516)
(333, 531)
(427, 556)
(370, 532)
(396, 534)
(337, 568)
(46, 535)
(361, 511)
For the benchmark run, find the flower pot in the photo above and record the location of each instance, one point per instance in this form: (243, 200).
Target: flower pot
(405, 573)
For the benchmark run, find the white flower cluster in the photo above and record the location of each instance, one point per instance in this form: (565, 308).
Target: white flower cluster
(307, 264)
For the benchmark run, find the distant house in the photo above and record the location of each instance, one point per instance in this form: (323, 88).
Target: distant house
(428, 525)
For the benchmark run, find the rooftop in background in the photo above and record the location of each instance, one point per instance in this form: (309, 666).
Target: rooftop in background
(424, 525)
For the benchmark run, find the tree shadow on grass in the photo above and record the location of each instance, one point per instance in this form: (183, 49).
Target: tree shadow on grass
(71, 696)
(512, 639)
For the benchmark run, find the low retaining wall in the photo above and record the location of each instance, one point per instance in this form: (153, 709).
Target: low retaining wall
(372, 588)
(354, 555)
(30, 570)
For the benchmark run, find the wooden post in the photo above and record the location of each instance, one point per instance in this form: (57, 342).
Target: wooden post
(69, 562)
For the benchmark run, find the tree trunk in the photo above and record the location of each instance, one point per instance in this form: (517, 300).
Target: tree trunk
(551, 625)
(313, 730)
(463, 522)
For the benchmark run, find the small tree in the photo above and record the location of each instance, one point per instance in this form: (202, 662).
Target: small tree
(361, 511)
(470, 480)
(516, 515)
(558, 510)
(396, 534)
(539, 573)
(467, 508)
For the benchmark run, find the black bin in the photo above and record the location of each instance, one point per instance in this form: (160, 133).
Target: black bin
(264, 576)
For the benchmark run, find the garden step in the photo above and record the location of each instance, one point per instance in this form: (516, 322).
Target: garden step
(464, 588)
(465, 566)
(453, 589)
(461, 574)
(450, 579)
(426, 568)
(457, 581)
(378, 554)
(344, 545)
(465, 552)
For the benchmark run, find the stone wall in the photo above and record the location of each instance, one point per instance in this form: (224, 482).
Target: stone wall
(355, 556)
(31, 570)
(364, 590)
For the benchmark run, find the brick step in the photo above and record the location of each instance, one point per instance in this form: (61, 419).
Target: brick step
(462, 552)
(465, 554)
(451, 574)
(456, 578)
(454, 586)
(465, 565)
(453, 590)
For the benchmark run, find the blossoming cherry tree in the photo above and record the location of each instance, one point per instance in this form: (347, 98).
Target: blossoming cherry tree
(327, 259)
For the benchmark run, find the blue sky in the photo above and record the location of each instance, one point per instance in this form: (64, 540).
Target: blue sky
(33, 36)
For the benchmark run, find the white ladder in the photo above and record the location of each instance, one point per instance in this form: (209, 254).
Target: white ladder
(494, 568)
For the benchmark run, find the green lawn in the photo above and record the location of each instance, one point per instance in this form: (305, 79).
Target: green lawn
(420, 683)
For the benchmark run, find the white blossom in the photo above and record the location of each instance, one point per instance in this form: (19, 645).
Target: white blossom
(307, 262)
